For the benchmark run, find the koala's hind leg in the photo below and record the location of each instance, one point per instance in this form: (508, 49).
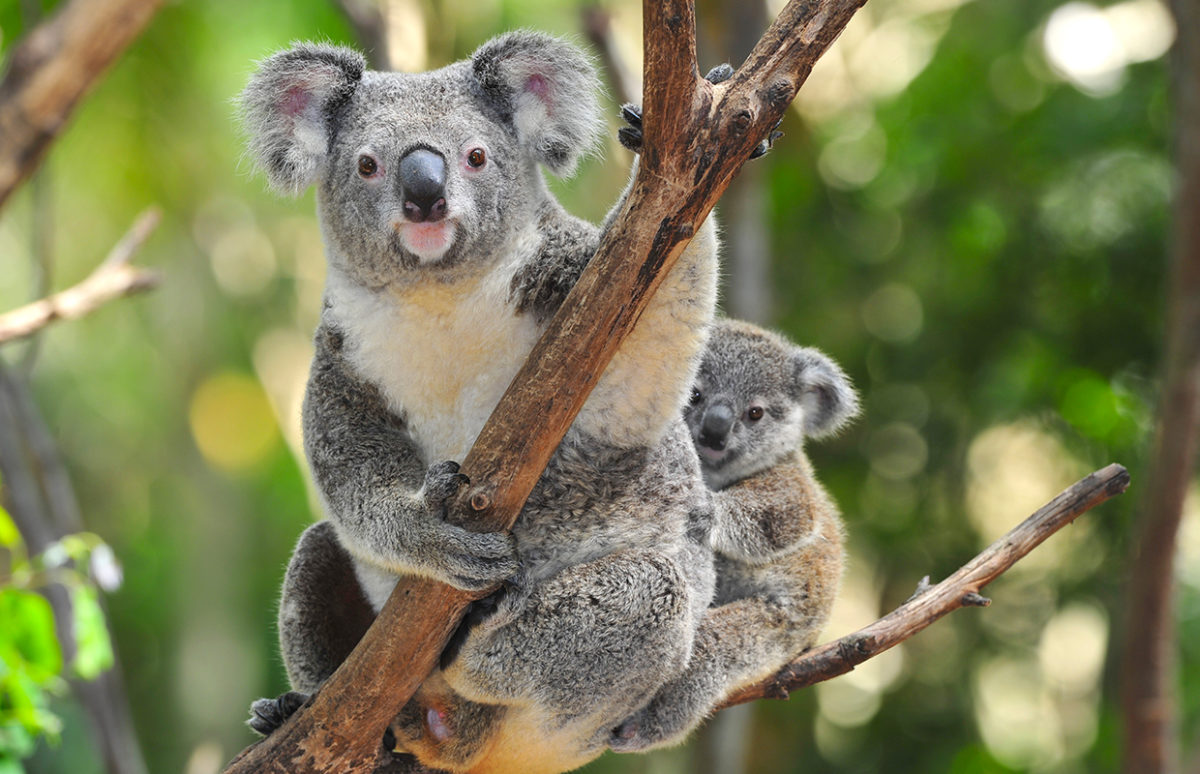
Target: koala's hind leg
(735, 644)
(322, 615)
(768, 614)
(597, 639)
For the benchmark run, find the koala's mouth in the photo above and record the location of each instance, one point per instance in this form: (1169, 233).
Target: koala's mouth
(428, 241)
(714, 458)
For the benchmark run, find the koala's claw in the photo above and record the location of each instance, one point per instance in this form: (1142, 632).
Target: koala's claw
(630, 136)
(720, 73)
(266, 715)
(443, 481)
(764, 146)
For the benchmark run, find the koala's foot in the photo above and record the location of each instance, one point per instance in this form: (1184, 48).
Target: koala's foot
(631, 136)
(477, 611)
(467, 560)
(266, 715)
(655, 725)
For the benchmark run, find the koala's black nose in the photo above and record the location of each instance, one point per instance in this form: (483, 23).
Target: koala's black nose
(715, 426)
(423, 185)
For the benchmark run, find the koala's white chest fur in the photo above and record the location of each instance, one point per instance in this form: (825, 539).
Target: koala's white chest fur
(442, 353)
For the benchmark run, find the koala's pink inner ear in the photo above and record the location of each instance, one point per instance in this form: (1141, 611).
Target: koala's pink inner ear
(295, 100)
(539, 86)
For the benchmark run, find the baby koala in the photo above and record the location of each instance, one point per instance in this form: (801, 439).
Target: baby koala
(776, 536)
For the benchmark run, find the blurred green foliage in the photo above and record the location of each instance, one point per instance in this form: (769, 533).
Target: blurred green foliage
(975, 233)
(32, 668)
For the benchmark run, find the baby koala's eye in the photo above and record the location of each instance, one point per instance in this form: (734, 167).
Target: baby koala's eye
(477, 158)
(367, 166)
(755, 413)
(695, 397)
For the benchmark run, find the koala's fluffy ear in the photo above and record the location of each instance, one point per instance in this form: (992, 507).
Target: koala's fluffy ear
(548, 88)
(290, 108)
(823, 391)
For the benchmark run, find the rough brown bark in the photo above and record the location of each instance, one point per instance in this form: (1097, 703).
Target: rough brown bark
(1148, 672)
(696, 138)
(932, 602)
(50, 71)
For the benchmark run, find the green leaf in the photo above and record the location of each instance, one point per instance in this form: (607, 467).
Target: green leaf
(29, 630)
(10, 765)
(16, 742)
(93, 649)
(9, 536)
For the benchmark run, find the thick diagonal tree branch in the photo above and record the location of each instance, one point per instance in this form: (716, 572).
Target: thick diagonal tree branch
(50, 71)
(697, 137)
(931, 603)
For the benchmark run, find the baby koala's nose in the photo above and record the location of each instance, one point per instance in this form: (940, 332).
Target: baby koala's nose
(423, 185)
(715, 427)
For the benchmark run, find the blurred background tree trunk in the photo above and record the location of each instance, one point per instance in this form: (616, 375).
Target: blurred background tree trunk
(728, 30)
(1150, 673)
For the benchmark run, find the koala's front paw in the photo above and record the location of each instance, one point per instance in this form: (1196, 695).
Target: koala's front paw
(631, 136)
(472, 561)
(266, 715)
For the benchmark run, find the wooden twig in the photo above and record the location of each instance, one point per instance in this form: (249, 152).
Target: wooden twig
(114, 278)
(696, 138)
(931, 603)
(50, 71)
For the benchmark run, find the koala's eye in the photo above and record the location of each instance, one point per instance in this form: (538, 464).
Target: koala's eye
(755, 413)
(367, 166)
(695, 397)
(477, 158)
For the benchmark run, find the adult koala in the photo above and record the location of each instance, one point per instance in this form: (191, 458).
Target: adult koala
(446, 257)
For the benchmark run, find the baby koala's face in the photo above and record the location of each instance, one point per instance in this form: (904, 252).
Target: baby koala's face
(755, 399)
(740, 419)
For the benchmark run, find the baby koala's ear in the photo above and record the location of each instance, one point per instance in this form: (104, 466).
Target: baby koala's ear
(548, 89)
(823, 391)
(290, 110)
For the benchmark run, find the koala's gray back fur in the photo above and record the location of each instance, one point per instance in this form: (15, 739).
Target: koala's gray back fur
(776, 535)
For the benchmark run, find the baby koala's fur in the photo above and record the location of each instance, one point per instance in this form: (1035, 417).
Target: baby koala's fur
(777, 536)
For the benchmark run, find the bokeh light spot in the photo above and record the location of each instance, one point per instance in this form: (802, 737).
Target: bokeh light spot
(232, 421)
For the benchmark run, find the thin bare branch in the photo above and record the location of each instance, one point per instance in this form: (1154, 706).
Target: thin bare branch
(114, 278)
(931, 603)
(50, 71)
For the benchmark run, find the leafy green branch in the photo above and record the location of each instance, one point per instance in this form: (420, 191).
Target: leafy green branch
(32, 668)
